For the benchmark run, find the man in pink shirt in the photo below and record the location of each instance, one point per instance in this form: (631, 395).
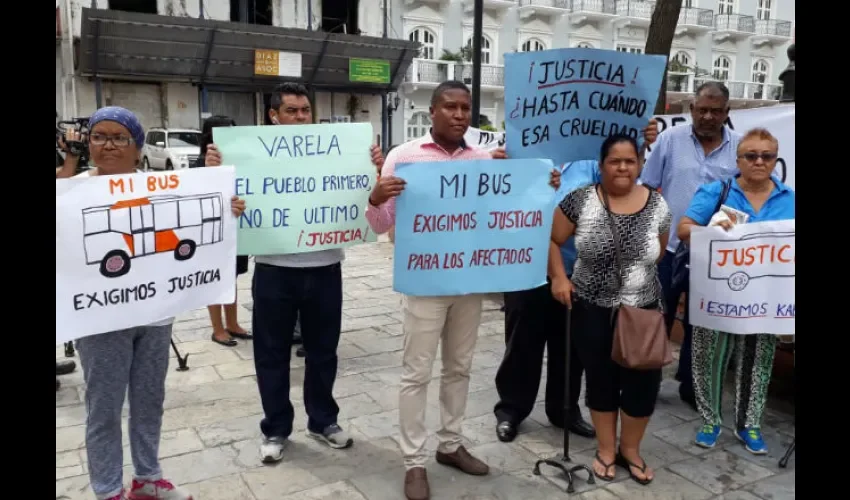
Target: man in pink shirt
(427, 320)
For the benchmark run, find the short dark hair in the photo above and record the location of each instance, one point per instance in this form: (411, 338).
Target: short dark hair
(287, 88)
(446, 86)
(208, 126)
(714, 86)
(613, 140)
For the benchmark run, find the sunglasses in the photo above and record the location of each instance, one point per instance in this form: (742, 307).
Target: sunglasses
(751, 157)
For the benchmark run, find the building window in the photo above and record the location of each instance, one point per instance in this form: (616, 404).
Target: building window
(140, 6)
(584, 45)
(689, 4)
(763, 11)
(418, 125)
(721, 67)
(428, 40)
(725, 6)
(761, 73)
(486, 48)
(631, 50)
(533, 45)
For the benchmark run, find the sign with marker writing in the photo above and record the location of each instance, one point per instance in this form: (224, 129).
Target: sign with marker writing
(479, 226)
(305, 187)
(743, 280)
(562, 103)
(138, 248)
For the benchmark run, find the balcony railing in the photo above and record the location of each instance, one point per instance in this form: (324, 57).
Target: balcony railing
(735, 22)
(430, 72)
(593, 6)
(632, 8)
(552, 4)
(492, 75)
(692, 16)
(773, 27)
(746, 90)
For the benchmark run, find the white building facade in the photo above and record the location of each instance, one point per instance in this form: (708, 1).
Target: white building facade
(740, 42)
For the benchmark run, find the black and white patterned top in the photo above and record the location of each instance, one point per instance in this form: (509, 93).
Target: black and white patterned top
(596, 264)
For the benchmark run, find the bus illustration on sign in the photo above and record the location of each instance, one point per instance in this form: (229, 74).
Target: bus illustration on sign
(115, 234)
(740, 260)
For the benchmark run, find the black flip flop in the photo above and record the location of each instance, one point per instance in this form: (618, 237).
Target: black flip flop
(624, 462)
(607, 466)
(243, 336)
(225, 343)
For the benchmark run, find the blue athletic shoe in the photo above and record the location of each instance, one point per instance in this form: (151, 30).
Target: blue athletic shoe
(753, 441)
(707, 436)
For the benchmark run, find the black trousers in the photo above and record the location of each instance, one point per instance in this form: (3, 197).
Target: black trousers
(534, 320)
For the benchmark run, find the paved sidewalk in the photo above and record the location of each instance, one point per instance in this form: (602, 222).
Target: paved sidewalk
(212, 413)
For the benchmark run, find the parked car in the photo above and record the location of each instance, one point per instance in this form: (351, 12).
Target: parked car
(171, 149)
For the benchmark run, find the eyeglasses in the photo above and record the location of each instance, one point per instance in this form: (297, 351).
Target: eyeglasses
(751, 157)
(118, 141)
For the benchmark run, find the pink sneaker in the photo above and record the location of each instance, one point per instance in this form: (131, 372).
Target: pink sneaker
(119, 496)
(157, 490)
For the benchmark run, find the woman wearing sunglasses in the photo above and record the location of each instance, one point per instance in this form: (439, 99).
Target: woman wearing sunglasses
(757, 195)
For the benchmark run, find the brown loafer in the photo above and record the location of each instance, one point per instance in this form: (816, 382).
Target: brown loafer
(462, 460)
(416, 484)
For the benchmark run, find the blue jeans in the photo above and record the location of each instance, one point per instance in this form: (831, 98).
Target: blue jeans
(671, 305)
(282, 295)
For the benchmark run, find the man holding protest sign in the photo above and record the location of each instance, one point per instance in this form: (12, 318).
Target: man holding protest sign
(305, 286)
(428, 320)
(682, 160)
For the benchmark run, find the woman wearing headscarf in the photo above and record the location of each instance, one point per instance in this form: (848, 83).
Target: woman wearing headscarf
(132, 361)
(224, 332)
(602, 281)
(762, 197)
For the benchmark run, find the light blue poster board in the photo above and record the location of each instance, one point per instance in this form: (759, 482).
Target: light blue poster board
(480, 226)
(562, 103)
(306, 187)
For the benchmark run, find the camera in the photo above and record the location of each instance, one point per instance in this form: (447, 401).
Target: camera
(77, 148)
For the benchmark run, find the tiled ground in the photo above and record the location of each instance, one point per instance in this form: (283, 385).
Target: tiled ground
(210, 431)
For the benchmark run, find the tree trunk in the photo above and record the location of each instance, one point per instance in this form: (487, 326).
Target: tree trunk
(659, 39)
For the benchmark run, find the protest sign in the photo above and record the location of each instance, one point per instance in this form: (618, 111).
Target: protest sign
(742, 281)
(138, 248)
(562, 103)
(305, 187)
(479, 226)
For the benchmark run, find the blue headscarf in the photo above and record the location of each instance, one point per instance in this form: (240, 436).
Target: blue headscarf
(123, 116)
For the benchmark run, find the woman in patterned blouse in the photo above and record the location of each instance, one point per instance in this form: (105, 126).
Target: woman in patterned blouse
(643, 223)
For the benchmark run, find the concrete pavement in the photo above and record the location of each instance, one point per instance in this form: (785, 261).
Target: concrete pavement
(212, 413)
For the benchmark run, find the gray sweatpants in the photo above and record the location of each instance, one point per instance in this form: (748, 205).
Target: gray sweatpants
(136, 358)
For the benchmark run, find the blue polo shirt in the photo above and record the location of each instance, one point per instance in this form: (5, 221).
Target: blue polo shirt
(780, 205)
(575, 175)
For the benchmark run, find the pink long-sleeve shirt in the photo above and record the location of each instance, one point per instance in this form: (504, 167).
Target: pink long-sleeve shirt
(424, 149)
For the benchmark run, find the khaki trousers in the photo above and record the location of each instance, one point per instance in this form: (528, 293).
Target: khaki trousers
(427, 320)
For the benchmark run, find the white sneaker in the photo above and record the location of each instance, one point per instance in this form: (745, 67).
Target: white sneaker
(272, 448)
(333, 436)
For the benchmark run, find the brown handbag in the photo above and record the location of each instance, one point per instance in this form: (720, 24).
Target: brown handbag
(640, 335)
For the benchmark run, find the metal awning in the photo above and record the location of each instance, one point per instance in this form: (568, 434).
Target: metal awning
(145, 47)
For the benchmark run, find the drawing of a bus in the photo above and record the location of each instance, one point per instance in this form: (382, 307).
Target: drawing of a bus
(115, 234)
(779, 249)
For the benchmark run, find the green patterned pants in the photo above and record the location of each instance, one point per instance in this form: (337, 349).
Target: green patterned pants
(712, 352)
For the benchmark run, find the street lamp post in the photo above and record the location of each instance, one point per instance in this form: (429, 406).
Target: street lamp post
(391, 107)
(789, 91)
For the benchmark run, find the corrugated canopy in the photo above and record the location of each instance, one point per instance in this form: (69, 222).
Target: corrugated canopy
(129, 45)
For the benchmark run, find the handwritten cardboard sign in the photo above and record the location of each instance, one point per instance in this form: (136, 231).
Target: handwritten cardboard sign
(562, 103)
(742, 281)
(472, 227)
(135, 249)
(305, 187)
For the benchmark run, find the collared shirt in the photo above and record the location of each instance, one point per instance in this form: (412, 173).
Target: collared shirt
(679, 166)
(780, 205)
(424, 149)
(575, 175)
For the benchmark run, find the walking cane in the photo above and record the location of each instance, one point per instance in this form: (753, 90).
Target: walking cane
(181, 361)
(568, 471)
